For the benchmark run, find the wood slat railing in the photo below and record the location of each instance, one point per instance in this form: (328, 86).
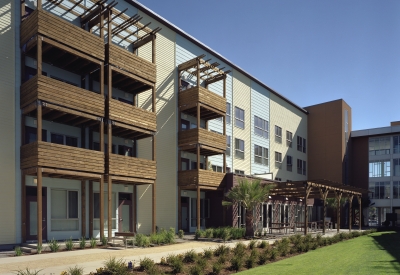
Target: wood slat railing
(60, 93)
(203, 177)
(202, 136)
(46, 154)
(131, 115)
(132, 167)
(200, 94)
(60, 30)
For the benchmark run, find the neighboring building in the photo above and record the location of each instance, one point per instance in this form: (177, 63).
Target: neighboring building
(375, 165)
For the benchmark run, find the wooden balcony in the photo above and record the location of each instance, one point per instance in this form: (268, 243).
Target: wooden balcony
(132, 167)
(51, 155)
(143, 70)
(133, 116)
(205, 178)
(57, 29)
(210, 143)
(62, 94)
(212, 105)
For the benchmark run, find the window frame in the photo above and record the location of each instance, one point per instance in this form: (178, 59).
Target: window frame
(278, 134)
(289, 164)
(228, 145)
(238, 151)
(239, 172)
(228, 113)
(262, 158)
(263, 129)
(278, 157)
(67, 208)
(289, 138)
(239, 119)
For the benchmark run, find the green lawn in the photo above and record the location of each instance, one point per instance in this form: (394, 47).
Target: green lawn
(377, 253)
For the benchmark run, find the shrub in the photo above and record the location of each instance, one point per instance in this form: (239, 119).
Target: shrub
(155, 238)
(263, 244)
(236, 263)
(27, 271)
(195, 270)
(237, 233)
(216, 268)
(114, 266)
(93, 242)
(181, 234)
(142, 240)
(221, 250)
(176, 264)
(18, 251)
(209, 233)
(169, 236)
(314, 245)
(146, 264)
(82, 242)
(104, 241)
(262, 258)
(307, 238)
(225, 234)
(283, 247)
(54, 246)
(154, 271)
(189, 256)
(69, 245)
(39, 248)
(197, 234)
(239, 249)
(250, 262)
(274, 254)
(208, 253)
(252, 244)
(202, 263)
(355, 234)
(75, 270)
(222, 259)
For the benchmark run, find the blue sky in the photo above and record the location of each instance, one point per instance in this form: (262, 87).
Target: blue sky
(308, 51)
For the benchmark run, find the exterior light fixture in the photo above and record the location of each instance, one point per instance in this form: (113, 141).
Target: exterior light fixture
(35, 180)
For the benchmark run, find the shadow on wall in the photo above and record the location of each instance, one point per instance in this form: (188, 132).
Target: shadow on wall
(388, 241)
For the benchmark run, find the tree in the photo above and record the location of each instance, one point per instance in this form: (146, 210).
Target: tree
(249, 194)
(332, 203)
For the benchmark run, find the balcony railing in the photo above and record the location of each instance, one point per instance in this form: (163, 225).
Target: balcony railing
(203, 137)
(204, 96)
(60, 93)
(60, 30)
(132, 63)
(131, 115)
(46, 154)
(132, 167)
(202, 177)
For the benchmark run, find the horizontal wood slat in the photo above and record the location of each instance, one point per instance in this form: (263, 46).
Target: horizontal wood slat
(53, 155)
(52, 26)
(202, 136)
(131, 167)
(204, 96)
(63, 94)
(203, 177)
(131, 115)
(132, 63)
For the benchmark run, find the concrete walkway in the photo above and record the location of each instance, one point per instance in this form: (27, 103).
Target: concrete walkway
(90, 259)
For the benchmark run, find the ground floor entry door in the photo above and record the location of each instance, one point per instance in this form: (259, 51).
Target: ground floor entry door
(125, 212)
(31, 213)
(185, 213)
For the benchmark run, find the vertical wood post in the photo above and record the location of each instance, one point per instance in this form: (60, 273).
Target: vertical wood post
(39, 121)
(153, 49)
(39, 55)
(153, 98)
(324, 194)
(198, 206)
(338, 198)
(90, 209)
(308, 190)
(101, 198)
(135, 208)
(179, 209)
(198, 72)
(350, 198)
(83, 207)
(109, 213)
(360, 211)
(23, 206)
(39, 4)
(22, 9)
(153, 218)
(39, 206)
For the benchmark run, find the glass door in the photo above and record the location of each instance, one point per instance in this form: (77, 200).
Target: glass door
(125, 212)
(31, 213)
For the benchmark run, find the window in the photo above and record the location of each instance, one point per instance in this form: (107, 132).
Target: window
(125, 101)
(239, 117)
(194, 165)
(239, 148)
(228, 145)
(228, 113)
(185, 164)
(239, 172)
(124, 150)
(289, 139)
(380, 190)
(64, 210)
(64, 140)
(379, 146)
(31, 72)
(96, 211)
(185, 125)
(31, 134)
(379, 169)
(278, 179)
(216, 168)
(396, 145)
(396, 167)
(63, 80)
(304, 167)
(185, 85)
(396, 190)
(96, 146)
(260, 127)
(299, 166)
(278, 157)
(278, 134)
(261, 155)
(301, 144)
(289, 163)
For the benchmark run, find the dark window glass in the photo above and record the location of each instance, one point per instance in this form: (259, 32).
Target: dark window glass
(31, 134)
(72, 204)
(185, 125)
(56, 138)
(124, 150)
(125, 101)
(96, 205)
(71, 141)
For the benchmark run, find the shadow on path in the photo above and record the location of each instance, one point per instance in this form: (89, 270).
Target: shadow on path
(390, 242)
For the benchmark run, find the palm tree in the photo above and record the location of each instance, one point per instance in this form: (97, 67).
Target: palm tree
(332, 203)
(249, 194)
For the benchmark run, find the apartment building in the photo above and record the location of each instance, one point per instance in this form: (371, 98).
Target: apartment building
(375, 164)
(114, 124)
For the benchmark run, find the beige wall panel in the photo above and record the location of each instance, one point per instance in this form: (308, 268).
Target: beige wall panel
(289, 119)
(166, 136)
(7, 123)
(241, 98)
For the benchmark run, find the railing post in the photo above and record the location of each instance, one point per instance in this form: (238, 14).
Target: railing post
(360, 211)
(39, 206)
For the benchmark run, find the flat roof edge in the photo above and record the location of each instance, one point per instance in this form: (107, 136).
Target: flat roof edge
(164, 21)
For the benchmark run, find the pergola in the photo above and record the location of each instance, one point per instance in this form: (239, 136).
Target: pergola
(320, 189)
